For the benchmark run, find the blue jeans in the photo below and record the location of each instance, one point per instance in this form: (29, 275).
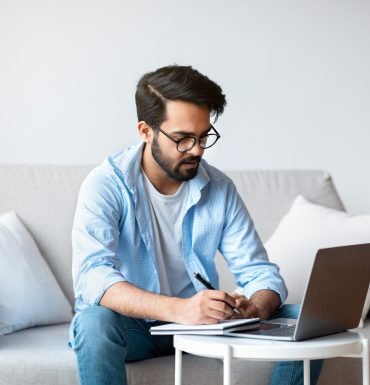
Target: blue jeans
(291, 372)
(104, 341)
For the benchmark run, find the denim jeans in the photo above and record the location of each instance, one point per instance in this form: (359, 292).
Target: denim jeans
(104, 341)
(291, 372)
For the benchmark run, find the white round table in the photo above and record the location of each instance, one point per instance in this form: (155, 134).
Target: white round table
(337, 345)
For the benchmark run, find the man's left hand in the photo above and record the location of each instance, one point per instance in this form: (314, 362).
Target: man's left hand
(262, 304)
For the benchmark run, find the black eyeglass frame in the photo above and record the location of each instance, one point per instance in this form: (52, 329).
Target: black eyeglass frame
(195, 140)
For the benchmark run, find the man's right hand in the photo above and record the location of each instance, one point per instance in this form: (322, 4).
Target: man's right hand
(205, 307)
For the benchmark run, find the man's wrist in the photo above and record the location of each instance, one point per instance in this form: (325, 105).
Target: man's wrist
(175, 309)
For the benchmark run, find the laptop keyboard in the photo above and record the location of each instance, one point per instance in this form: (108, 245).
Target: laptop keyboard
(284, 331)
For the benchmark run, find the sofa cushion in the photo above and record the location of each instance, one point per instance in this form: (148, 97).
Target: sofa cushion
(38, 356)
(29, 293)
(306, 228)
(41, 356)
(44, 197)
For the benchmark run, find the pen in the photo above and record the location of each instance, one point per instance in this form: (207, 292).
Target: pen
(210, 287)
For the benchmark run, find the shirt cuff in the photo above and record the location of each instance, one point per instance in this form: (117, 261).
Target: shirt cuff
(97, 281)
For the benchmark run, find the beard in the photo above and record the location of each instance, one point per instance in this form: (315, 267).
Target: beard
(174, 171)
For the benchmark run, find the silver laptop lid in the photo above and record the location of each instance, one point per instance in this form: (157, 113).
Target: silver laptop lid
(335, 292)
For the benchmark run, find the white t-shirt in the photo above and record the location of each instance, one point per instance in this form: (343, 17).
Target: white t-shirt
(167, 213)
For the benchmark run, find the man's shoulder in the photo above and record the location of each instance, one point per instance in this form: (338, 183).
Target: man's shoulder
(115, 169)
(120, 162)
(123, 159)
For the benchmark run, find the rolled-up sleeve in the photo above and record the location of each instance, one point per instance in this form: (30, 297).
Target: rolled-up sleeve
(243, 250)
(95, 238)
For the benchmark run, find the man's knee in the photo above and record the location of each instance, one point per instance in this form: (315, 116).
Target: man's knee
(97, 326)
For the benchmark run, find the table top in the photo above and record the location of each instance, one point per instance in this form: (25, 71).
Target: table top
(335, 345)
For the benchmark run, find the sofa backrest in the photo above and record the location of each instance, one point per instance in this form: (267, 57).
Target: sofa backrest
(45, 196)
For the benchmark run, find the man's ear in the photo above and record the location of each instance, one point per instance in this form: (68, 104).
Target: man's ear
(145, 131)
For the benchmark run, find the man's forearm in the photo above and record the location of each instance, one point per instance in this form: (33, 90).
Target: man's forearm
(205, 307)
(266, 301)
(127, 299)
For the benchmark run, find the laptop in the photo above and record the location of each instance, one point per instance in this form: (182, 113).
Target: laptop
(333, 300)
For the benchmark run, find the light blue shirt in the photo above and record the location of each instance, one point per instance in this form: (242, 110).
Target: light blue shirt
(112, 234)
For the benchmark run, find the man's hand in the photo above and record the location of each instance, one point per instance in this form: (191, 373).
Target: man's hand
(206, 307)
(246, 307)
(262, 304)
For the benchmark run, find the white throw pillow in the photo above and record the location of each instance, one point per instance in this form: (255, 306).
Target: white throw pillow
(29, 293)
(306, 228)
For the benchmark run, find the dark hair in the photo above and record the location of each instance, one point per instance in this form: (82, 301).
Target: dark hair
(176, 82)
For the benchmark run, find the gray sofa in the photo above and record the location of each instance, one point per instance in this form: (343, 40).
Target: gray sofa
(44, 197)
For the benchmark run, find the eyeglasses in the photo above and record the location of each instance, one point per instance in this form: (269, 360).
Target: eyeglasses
(187, 143)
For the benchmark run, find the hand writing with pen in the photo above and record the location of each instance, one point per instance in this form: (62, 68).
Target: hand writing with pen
(211, 306)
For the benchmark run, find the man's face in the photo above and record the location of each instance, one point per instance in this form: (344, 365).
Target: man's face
(183, 119)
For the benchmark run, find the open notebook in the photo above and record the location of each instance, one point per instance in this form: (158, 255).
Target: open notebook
(222, 327)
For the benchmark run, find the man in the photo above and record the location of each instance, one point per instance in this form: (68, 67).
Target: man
(150, 217)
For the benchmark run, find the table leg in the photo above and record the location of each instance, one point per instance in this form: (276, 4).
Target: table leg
(365, 362)
(306, 372)
(227, 365)
(178, 366)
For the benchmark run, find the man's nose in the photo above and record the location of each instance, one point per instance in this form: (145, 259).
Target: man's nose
(196, 150)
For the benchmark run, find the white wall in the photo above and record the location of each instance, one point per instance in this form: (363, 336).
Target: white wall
(296, 74)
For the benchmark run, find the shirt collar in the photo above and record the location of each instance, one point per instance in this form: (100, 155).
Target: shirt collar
(130, 166)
